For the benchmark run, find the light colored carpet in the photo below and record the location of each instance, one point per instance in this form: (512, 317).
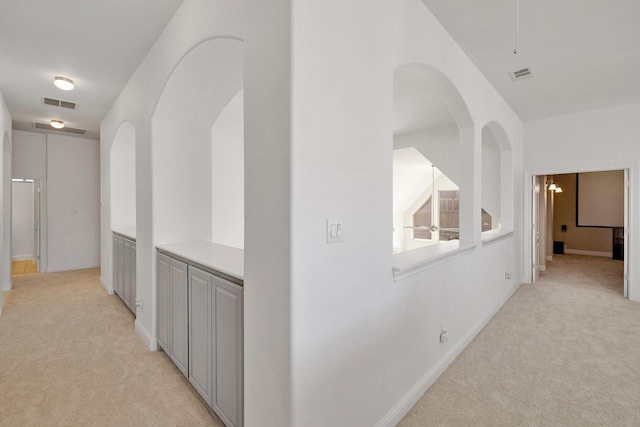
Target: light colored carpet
(562, 352)
(69, 356)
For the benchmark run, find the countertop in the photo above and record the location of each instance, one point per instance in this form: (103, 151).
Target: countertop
(224, 259)
(125, 231)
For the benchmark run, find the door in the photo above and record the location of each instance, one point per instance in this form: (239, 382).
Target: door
(535, 232)
(626, 233)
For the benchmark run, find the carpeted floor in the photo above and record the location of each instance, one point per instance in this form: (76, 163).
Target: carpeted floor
(562, 352)
(69, 356)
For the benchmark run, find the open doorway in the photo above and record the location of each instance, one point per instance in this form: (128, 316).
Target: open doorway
(27, 231)
(582, 215)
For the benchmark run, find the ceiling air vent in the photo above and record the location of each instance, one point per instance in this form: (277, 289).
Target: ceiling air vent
(47, 126)
(523, 74)
(59, 103)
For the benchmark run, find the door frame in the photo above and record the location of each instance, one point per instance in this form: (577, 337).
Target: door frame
(631, 285)
(40, 191)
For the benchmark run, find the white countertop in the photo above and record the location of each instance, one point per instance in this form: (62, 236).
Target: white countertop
(224, 259)
(126, 231)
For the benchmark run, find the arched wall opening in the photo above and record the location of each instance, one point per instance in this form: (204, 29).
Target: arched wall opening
(198, 148)
(497, 178)
(431, 189)
(123, 180)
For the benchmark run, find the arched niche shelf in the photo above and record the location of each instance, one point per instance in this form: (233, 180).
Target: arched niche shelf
(431, 127)
(123, 180)
(198, 148)
(497, 176)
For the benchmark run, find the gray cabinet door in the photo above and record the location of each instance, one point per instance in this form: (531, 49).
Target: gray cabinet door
(118, 247)
(129, 274)
(178, 336)
(227, 351)
(200, 364)
(163, 264)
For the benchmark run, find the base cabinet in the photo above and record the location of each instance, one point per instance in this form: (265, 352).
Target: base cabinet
(171, 276)
(209, 313)
(124, 270)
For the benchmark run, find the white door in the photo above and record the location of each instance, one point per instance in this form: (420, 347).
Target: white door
(535, 233)
(626, 233)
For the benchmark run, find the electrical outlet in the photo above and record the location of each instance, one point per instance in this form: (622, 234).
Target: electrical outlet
(444, 337)
(507, 277)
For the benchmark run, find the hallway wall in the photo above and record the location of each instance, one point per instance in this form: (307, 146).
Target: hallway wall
(5, 198)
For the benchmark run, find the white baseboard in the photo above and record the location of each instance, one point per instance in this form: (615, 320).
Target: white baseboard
(106, 286)
(22, 257)
(404, 405)
(542, 267)
(549, 257)
(150, 341)
(57, 268)
(591, 253)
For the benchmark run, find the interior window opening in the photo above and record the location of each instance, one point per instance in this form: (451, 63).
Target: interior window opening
(426, 202)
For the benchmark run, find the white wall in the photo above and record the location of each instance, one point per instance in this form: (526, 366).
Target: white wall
(73, 204)
(5, 199)
(605, 139)
(22, 233)
(123, 179)
(329, 335)
(29, 154)
(365, 347)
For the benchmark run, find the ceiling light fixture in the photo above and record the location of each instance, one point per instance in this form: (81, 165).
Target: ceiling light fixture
(58, 124)
(63, 83)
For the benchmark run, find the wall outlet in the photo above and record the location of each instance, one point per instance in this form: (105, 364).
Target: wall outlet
(507, 277)
(444, 336)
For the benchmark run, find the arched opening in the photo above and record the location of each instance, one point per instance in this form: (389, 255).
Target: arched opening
(430, 188)
(496, 169)
(198, 148)
(123, 180)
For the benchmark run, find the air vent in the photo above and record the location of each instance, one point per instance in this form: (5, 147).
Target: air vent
(59, 103)
(47, 126)
(523, 74)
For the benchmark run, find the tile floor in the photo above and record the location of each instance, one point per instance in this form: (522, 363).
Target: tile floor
(23, 267)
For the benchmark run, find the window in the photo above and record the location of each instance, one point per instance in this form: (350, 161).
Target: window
(449, 215)
(422, 218)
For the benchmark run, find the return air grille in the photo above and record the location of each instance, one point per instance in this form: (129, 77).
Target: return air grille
(522, 74)
(47, 126)
(58, 103)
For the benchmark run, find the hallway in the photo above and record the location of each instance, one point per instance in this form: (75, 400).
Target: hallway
(70, 357)
(564, 351)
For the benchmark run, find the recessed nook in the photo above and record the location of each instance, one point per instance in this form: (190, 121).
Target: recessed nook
(432, 168)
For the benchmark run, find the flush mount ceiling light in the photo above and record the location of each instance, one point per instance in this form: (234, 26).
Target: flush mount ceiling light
(58, 124)
(63, 83)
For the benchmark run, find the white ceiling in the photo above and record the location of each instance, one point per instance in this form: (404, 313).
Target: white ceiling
(96, 43)
(585, 53)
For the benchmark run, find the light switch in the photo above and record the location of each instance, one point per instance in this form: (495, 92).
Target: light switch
(335, 231)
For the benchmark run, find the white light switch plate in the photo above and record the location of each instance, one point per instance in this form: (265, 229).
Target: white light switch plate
(335, 231)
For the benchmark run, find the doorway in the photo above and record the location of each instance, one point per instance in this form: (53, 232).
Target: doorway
(27, 226)
(580, 214)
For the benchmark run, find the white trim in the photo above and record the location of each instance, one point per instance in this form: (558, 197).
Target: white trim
(404, 405)
(70, 267)
(592, 253)
(542, 267)
(106, 286)
(149, 340)
(406, 264)
(22, 257)
(494, 236)
(549, 257)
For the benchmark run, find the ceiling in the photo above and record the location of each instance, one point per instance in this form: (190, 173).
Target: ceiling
(585, 54)
(96, 43)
